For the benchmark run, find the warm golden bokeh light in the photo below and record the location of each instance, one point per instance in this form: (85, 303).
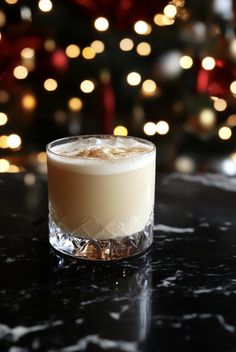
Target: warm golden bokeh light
(49, 45)
(207, 118)
(120, 131)
(72, 51)
(88, 53)
(75, 104)
(133, 78)
(13, 141)
(142, 27)
(27, 53)
(50, 84)
(186, 62)
(13, 168)
(3, 118)
(4, 165)
(45, 5)
(2, 19)
(163, 20)
(233, 87)
(3, 142)
(4, 96)
(220, 104)
(149, 128)
(101, 24)
(11, 2)
(208, 63)
(42, 157)
(162, 127)
(149, 87)
(28, 102)
(87, 86)
(20, 72)
(98, 46)
(143, 49)
(170, 11)
(225, 133)
(126, 44)
(231, 120)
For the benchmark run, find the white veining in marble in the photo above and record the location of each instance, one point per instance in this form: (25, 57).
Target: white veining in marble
(212, 180)
(106, 344)
(165, 228)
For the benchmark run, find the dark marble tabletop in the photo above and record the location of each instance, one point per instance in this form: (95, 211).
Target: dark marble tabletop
(179, 296)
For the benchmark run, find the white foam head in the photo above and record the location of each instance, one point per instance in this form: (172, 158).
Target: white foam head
(101, 155)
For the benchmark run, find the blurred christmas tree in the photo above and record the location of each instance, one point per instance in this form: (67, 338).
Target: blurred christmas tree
(160, 70)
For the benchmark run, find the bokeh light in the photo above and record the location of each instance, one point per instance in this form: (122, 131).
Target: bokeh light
(2, 19)
(231, 120)
(233, 87)
(162, 20)
(75, 104)
(42, 157)
(186, 62)
(98, 46)
(207, 118)
(143, 49)
(87, 86)
(11, 2)
(120, 131)
(225, 133)
(170, 10)
(142, 27)
(149, 87)
(20, 72)
(13, 141)
(133, 78)
(27, 53)
(28, 102)
(208, 63)
(101, 24)
(184, 164)
(50, 84)
(220, 104)
(3, 118)
(162, 127)
(4, 96)
(4, 165)
(13, 168)
(72, 51)
(3, 142)
(45, 5)
(149, 128)
(50, 44)
(126, 44)
(88, 53)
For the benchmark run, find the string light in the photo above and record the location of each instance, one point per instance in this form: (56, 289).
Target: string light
(98, 46)
(50, 84)
(101, 24)
(162, 127)
(142, 27)
(20, 72)
(75, 104)
(208, 63)
(3, 118)
(2, 19)
(225, 133)
(72, 51)
(27, 53)
(233, 87)
(13, 141)
(170, 11)
(4, 165)
(87, 86)
(126, 44)
(49, 45)
(143, 49)
(149, 87)
(28, 102)
(3, 142)
(45, 5)
(220, 104)
(11, 2)
(88, 53)
(133, 78)
(120, 131)
(207, 118)
(186, 62)
(149, 128)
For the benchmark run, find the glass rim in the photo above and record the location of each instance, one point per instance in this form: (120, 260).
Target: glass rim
(99, 136)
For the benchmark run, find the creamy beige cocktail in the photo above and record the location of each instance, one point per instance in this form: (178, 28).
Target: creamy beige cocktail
(100, 187)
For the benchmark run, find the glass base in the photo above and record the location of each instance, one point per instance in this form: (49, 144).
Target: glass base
(93, 249)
